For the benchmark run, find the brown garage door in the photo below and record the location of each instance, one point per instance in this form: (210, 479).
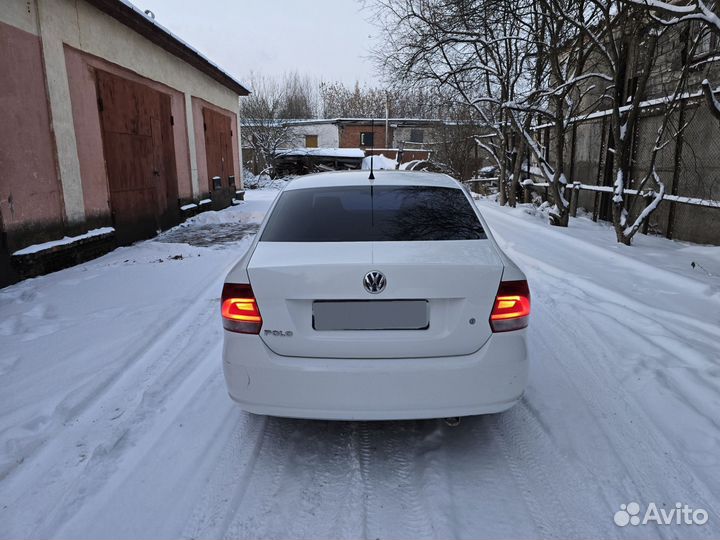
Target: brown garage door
(218, 148)
(139, 156)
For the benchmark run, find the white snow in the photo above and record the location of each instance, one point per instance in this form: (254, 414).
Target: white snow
(115, 421)
(379, 162)
(643, 105)
(324, 152)
(251, 210)
(410, 165)
(205, 201)
(65, 241)
(619, 187)
(188, 206)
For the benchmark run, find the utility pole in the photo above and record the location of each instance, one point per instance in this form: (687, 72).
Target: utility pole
(387, 120)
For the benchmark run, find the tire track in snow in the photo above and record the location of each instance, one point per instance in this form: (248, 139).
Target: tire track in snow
(138, 356)
(432, 476)
(141, 429)
(365, 450)
(464, 482)
(312, 496)
(639, 312)
(401, 448)
(227, 484)
(352, 513)
(254, 518)
(110, 468)
(646, 469)
(644, 328)
(40, 478)
(531, 455)
(601, 291)
(330, 489)
(596, 252)
(639, 461)
(304, 481)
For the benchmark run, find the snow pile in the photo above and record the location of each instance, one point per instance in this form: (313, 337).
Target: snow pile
(66, 241)
(379, 162)
(251, 210)
(324, 152)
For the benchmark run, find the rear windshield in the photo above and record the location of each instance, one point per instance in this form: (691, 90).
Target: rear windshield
(377, 213)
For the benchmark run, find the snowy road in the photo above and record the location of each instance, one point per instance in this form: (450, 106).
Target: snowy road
(114, 420)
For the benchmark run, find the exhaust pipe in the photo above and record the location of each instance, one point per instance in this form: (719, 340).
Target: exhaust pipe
(452, 421)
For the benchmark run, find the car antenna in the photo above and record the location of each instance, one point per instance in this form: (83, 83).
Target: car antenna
(372, 148)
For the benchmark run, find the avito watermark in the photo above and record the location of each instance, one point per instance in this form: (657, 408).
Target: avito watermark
(680, 514)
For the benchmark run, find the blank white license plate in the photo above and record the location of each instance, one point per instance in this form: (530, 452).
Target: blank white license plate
(370, 315)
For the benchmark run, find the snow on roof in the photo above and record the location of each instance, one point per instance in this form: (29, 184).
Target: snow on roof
(323, 152)
(379, 162)
(379, 121)
(135, 19)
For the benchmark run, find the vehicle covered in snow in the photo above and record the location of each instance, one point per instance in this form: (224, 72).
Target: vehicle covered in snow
(375, 299)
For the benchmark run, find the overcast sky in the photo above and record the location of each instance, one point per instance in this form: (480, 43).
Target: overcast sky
(327, 39)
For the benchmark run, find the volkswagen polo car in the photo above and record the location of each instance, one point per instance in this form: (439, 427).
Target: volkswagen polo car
(375, 299)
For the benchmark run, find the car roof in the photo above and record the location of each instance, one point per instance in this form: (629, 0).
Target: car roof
(382, 178)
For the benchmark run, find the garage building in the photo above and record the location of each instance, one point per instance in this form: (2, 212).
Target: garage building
(109, 123)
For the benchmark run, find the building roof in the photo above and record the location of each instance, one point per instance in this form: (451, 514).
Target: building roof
(395, 122)
(129, 15)
(323, 152)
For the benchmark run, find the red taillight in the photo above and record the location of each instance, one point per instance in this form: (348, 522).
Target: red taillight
(512, 307)
(239, 309)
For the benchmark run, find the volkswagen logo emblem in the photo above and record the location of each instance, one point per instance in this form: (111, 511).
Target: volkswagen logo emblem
(374, 282)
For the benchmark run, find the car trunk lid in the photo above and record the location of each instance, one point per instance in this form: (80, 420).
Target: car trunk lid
(458, 280)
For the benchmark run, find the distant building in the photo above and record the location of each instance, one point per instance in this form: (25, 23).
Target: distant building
(108, 121)
(410, 136)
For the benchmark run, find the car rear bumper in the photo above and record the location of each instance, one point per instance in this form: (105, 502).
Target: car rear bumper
(491, 380)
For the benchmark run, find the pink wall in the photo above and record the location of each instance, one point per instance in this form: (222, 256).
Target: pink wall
(83, 93)
(30, 191)
(197, 106)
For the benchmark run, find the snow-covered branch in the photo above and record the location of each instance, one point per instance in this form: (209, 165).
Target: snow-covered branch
(649, 209)
(677, 13)
(711, 100)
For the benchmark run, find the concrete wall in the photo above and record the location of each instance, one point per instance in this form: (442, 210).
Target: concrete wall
(30, 190)
(403, 134)
(328, 136)
(698, 175)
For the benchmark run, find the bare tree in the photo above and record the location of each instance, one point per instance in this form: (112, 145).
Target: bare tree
(626, 41)
(454, 144)
(262, 129)
(475, 48)
(300, 97)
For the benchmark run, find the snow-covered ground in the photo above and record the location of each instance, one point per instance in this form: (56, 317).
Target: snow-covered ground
(115, 422)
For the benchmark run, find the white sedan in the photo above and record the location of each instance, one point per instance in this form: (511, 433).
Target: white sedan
(375, 300)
